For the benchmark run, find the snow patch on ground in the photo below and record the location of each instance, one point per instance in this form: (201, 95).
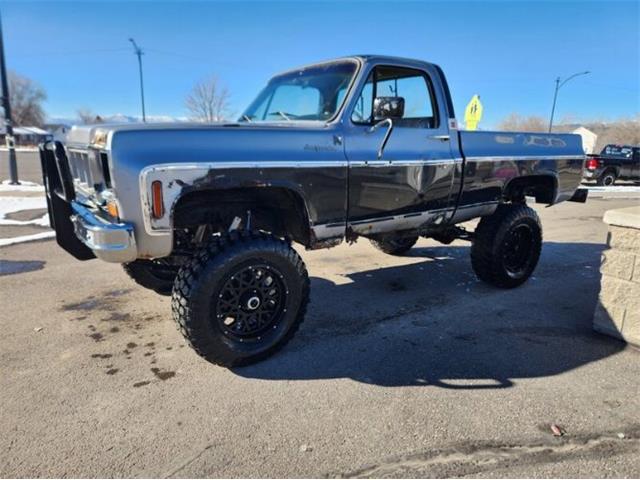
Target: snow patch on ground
(616, 189)
(26, 238)
(16, 204)
(24, 186)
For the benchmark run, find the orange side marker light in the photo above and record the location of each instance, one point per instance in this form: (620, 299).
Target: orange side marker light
(157, 205)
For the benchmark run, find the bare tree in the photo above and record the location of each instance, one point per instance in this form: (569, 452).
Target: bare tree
(87, 117)
(523, 124)
(26, 99)
(208, 101)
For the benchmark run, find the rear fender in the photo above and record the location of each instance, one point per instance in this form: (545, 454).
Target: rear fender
(543, 187)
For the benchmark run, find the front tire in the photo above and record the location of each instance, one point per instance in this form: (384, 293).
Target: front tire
(241, 298)
(156, 275)
(507, 245)
(392, 244)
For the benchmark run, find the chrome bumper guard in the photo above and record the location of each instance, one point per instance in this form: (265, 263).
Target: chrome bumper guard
(111, 242)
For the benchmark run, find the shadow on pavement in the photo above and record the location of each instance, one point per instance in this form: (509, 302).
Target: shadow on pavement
(433, 324)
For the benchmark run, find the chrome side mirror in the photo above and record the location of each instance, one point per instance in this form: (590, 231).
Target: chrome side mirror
(388, 107)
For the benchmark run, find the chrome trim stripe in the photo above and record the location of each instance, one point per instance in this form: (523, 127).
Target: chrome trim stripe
(170, 167)
(342, 163)
(490, 158)
(400, 163)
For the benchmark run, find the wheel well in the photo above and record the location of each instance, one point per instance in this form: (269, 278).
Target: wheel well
(542, 187)
(280, 211)
(613, 170)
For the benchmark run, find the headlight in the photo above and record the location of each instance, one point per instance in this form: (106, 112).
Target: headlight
(99, 138)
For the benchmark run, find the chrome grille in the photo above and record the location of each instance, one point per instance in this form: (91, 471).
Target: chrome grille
(85, 169)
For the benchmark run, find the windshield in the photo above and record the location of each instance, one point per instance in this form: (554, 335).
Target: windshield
(309, 94)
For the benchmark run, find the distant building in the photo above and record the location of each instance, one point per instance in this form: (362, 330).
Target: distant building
(26, 136)
(589, 139)
(58, 130)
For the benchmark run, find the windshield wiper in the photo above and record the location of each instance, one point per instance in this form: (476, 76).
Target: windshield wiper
(283, 115)
(247, 118)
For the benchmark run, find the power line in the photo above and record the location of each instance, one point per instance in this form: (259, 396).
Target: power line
(77, 52)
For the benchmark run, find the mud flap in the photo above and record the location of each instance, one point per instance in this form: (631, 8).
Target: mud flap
(580, 195)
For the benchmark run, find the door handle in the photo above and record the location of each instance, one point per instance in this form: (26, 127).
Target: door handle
(442, 138)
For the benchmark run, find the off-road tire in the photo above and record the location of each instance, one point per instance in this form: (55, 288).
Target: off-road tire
(151, 275)
(201, 280)
(492, 254)
(393, 244)
(608, 178)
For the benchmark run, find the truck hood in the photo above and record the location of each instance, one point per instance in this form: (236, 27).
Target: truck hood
(101, 134)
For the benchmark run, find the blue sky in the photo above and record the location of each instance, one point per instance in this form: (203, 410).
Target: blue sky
(507, 52)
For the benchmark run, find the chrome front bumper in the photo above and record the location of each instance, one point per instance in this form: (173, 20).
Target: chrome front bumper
(111, 242)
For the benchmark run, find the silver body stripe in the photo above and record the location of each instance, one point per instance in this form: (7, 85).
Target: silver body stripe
(342, 163)
(490, 158)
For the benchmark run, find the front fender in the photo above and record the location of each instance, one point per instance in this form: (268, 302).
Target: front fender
(181, 179)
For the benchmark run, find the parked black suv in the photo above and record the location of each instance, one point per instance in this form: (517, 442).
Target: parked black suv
(615, 162)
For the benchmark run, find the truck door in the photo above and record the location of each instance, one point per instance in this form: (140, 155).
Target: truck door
(411, 183)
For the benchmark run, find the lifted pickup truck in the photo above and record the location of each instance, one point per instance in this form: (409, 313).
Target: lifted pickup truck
(364, 146)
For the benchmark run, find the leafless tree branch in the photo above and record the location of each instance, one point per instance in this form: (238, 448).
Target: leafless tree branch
(208, 101)
(26, 99)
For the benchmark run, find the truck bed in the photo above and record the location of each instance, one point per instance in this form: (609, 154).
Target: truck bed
(493, 159)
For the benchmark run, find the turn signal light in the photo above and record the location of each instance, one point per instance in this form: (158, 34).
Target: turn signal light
(112, 209)
(157, 205)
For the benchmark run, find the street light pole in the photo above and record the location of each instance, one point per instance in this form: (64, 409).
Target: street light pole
(6, 105)
(138, 51)
(555, 93)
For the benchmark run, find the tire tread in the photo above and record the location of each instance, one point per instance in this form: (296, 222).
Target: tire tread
(225, 246)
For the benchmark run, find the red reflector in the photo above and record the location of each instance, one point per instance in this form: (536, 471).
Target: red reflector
(157, 205)
(591, 164)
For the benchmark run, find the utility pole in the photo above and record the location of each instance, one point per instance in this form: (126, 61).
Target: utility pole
(13, 164)
(555, 94)
(138, 51)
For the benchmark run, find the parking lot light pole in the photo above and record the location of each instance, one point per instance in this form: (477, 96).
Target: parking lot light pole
(6, 105)
(138, 51)
(555, 94)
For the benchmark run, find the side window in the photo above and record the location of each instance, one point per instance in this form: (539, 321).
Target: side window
(412, 85)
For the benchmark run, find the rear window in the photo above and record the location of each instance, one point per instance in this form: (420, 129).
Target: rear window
(617, 151)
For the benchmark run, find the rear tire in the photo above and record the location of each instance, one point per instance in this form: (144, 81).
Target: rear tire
(393, 244)
(507, 245)
(607, 179)
(241, 298)
(152, 274)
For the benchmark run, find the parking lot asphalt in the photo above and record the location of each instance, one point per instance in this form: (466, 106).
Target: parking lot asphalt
(403, 367)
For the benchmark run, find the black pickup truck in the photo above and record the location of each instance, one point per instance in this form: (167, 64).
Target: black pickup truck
(615, 162)
(359, 147)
